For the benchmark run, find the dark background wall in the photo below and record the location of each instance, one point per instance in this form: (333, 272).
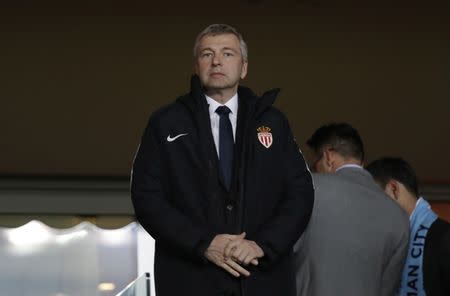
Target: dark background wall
(79, 79)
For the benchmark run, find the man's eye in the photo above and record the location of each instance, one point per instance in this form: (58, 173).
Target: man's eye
(206, 54)
(228, 54)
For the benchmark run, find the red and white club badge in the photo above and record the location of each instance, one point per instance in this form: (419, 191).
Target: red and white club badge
(265, 136)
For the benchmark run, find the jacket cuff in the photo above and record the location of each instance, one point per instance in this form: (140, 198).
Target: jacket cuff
(203, 245)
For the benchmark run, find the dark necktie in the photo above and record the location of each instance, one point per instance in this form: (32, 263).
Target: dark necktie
(226, 144)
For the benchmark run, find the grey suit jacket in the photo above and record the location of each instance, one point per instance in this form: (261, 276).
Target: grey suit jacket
(356, 241)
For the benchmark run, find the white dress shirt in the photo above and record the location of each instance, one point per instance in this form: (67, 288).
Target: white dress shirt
(232, 104)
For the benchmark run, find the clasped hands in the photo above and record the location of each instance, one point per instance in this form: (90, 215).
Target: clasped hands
(232, 252)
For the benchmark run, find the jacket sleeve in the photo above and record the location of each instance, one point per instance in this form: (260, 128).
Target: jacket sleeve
(278, 235)
(164, 222)
(445, 261)
(392, 273)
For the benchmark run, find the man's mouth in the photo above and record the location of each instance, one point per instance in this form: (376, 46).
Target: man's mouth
(216, 74)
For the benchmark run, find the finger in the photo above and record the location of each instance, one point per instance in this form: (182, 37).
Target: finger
(237, 240)
(254, 262)
(229, 269)
(250, 256)
(236, 252)
(230, 246)
(245, 254)
(237, 267)
(234, 265)
(259, 251)
(236, 236)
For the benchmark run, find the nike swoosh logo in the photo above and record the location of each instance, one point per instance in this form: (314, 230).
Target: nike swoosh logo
(170, 139)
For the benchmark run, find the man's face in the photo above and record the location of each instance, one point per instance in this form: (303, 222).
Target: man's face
(219, 63)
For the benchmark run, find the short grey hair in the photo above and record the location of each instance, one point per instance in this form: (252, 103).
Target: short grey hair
(219, 29)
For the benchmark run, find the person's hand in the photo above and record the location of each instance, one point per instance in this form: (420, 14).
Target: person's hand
(243, 251)
(215, 254)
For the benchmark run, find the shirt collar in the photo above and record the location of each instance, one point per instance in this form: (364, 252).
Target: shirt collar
(232, 104)
(349, 166)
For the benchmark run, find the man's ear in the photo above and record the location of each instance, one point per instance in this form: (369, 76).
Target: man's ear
(244, 70)
(329, 157)
(393, 189)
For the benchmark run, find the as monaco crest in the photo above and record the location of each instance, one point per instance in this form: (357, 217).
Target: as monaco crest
(265, 136)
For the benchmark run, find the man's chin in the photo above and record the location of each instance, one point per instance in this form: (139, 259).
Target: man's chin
(215, 86)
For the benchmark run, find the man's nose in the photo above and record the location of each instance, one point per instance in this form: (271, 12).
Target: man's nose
(216, 60)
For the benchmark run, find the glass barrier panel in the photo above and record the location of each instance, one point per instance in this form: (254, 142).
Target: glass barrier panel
(139, 287)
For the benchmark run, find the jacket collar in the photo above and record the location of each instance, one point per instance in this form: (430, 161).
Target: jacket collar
(358, 175)
(195, 100)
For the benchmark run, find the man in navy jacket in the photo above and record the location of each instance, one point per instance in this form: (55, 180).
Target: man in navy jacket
(220, 183)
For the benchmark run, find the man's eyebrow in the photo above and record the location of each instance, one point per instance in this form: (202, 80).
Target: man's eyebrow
(229, 48)
(206, 48)
(222, 49)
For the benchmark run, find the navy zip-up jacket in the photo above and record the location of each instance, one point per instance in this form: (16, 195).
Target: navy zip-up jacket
(179, 198)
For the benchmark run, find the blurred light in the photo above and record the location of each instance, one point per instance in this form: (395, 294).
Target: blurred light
(106, 287)
(29, 235)
(116, 236)
(65, 238)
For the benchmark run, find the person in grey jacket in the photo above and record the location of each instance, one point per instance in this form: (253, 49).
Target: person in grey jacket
(357, 238)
